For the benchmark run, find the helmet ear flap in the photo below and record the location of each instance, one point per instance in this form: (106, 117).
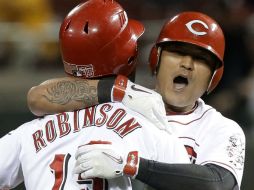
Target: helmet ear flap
(215, 79)
(154, 59)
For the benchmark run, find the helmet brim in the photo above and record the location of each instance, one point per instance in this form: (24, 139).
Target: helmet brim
(137, 27)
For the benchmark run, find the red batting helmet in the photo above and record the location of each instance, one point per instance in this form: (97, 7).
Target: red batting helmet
(197, 29)
(97, 39)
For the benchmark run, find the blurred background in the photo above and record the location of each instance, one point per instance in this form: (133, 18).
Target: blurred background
(29, 54)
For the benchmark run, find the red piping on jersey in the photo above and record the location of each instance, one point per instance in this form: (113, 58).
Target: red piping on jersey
(192, 120)
(190, 139)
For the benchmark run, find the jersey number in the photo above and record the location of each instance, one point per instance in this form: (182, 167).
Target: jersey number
(59, 167)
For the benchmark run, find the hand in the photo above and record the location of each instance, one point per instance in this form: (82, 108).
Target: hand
(99, 159)
(142, 100)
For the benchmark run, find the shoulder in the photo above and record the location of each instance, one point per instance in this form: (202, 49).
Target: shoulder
(220, 122)
(33, 125)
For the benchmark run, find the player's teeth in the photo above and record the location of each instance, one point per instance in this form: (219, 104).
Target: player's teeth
(180, 86)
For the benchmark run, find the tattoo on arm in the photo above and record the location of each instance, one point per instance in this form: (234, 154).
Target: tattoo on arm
(65, 91)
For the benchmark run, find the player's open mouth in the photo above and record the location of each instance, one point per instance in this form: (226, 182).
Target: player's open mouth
(180, 82)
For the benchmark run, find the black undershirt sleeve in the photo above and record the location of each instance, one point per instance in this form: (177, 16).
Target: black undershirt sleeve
(104, 89)
(106, 84)
(163, 176)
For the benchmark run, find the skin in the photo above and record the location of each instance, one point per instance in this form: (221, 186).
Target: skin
(174, 61)
(62, 94)
(69, 93)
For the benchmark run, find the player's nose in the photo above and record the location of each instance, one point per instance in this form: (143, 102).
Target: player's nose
(187, 62)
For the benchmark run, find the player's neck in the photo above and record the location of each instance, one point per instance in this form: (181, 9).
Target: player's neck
(173, 110)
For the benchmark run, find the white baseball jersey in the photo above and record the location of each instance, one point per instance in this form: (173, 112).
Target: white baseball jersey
(209, 137)
(42, 152)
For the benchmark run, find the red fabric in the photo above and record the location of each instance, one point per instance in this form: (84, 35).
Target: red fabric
(132, 164)
(119, 88)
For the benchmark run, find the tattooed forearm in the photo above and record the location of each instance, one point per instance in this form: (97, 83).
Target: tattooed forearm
(66, 91)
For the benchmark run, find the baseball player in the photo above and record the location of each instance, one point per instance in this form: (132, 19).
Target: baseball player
(43, 152)
(187, 60)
